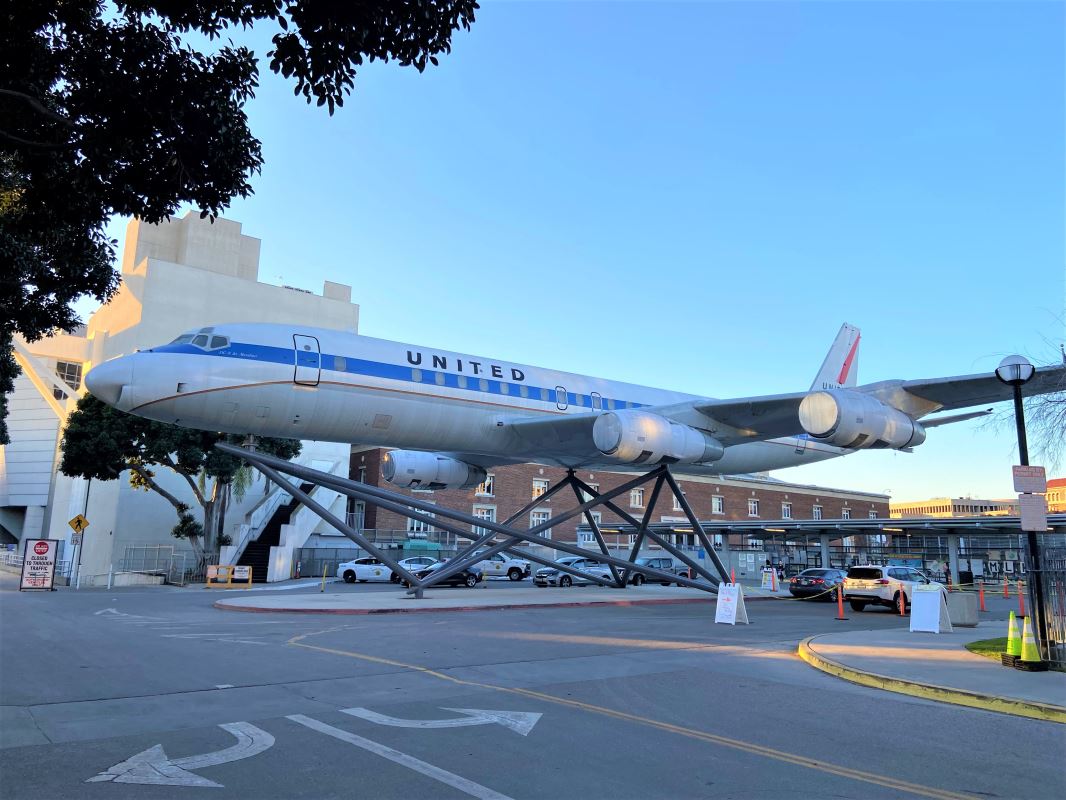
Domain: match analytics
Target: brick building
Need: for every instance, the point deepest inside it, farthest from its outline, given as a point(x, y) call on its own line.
point(509, 488)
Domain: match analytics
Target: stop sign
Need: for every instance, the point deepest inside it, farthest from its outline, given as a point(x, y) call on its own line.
point(40, 548)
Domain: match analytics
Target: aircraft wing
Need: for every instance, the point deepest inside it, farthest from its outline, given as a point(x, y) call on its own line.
point(752, 419)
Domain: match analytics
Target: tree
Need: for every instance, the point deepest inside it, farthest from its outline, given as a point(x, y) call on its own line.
point(101, 442)
point(1046, 423)
point(119, 109)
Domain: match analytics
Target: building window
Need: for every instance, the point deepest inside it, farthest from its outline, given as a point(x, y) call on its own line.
point(597, 518)
point(488, 486)
point(539, 517)
point(786, 511)
point(70, 374)
point(753, 507)
point(636, 498)
point(717, 504)
point(487, 513)
point(586, 496)
point(845, 514)
point(418, 526)
point(677, 503)
point(356, 514)
point(540, 487)
point(872, 514)
point(817, 512)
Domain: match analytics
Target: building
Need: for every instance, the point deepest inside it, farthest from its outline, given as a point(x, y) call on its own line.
point(946, 507)
point(1056, 496)
point(179, 275)
point(508, 489)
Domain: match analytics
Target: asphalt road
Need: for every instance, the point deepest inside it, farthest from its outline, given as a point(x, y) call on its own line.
point(135, 686)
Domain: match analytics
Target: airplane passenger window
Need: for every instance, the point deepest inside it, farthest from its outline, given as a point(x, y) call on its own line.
point(524, 391)
point(543, 394)
point(439, 378)
point(505, 388)
point(462, 381)
point(416, 375)
point(483, 385)
point(339, 364)
point(200, 341)
point(610, 404)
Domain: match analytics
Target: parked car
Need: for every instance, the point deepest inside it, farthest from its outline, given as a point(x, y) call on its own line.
point(816, 582)
point(638, 578)
point(363, 570)
point(549, 576)
point(872, 584)
point(412, 565)
point(470, 576)
point(503, 565)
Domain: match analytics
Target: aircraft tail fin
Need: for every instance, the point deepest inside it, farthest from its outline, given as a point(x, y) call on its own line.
point(841, 365)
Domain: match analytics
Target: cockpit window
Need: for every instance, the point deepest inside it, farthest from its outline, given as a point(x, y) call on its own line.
point(219, 341)
point(201, 340)
point(185, 338)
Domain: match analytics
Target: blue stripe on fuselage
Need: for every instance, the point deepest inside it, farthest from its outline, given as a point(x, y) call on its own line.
point(379, 369)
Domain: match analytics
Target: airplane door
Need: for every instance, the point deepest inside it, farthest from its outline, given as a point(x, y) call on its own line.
point(560, 398)
point(308, 360)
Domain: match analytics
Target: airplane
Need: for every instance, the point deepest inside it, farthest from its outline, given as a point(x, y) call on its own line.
point(451, 416)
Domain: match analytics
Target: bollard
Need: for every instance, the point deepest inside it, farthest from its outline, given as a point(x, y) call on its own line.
point(981, 596)
point(325, 569)
point(110, 574)
point(1006, 588)
point(840, 602)
point(732, 575)
point(902, 603)
point(773, 579)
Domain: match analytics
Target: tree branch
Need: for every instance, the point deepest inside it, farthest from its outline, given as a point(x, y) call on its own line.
point(188, 479)
point(39, 107)
point(147, 478)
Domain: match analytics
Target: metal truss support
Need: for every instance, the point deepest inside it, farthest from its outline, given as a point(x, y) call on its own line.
point(484, 533)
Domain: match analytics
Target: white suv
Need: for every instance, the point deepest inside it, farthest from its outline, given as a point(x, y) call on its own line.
point(875, 584)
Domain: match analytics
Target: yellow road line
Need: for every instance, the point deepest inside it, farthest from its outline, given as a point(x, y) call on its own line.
point(691, 733)
point(930, 691)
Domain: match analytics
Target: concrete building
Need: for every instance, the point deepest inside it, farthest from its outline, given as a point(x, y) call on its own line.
point(947, 507)
point(1056, 496)
point(182, 274)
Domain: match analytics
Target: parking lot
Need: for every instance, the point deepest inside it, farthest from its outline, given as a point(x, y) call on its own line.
point(155, 693)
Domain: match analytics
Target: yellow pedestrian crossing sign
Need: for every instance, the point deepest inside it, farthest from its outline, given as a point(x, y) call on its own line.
point(79, 523)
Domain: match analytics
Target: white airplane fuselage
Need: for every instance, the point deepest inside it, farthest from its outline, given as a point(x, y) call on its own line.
point(307, 383)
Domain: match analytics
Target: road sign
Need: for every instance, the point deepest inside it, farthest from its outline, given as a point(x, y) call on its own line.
point(730, 606)
point(79, 523)
point(929, 609)
point(39, 564)
point(1034, 512)
point(1029, 479)
point(75, 539)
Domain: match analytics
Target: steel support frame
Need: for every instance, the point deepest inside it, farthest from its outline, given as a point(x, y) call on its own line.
point(450, 520)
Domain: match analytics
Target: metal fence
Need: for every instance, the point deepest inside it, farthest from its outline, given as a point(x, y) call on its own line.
point(1052, 576)
point(178, 567)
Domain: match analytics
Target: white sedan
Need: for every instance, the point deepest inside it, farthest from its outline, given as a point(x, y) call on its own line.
point(413, 565)
point(364, 569)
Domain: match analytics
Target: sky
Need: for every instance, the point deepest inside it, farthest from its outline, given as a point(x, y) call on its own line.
point(695, 196)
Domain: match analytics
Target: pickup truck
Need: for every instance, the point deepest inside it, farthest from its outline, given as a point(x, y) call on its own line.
point(502, 565)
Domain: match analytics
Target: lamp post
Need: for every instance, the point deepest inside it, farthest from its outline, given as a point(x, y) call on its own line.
point(1016, 371)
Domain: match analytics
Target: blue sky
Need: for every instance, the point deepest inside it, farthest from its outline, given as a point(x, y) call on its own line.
point(696, 195)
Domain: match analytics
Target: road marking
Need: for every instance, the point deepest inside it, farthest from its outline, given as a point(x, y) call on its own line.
point(521, 722)
point(448, 778)
point(152, 766)
point(692, 733)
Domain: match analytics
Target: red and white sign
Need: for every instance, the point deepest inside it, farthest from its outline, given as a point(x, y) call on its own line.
point(39, 564)
point(1030, 479)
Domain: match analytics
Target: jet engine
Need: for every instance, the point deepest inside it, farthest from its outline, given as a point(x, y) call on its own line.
point(857, 421)
point(638, 437)
point(413, 469)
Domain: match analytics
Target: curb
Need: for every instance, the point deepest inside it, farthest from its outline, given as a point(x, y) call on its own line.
point(930, 691)
point(506, 607)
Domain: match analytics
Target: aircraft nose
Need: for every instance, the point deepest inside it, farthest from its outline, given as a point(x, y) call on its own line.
point(106, 381)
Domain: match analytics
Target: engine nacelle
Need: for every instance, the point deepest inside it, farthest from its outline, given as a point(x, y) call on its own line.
point(413, 469)
point(637, 437)
point(857, 421)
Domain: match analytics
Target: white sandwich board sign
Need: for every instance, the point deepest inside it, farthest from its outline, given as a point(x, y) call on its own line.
point(929, 610)
point(39, 564)
point(730, 606)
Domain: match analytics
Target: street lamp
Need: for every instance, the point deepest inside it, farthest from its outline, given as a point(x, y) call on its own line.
point(1015, 371)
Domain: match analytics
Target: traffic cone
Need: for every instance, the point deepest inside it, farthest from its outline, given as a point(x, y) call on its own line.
point(1014, 644)
point(1030, 660)
point(1006, 588)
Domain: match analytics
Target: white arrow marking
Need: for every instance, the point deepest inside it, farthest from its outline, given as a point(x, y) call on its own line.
point(521, 722)
point(153, 767)
point(395, 756)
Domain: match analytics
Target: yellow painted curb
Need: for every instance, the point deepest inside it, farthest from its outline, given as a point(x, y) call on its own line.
point(929, 691)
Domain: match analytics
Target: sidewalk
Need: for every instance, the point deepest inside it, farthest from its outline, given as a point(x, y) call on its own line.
point(939, 667)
